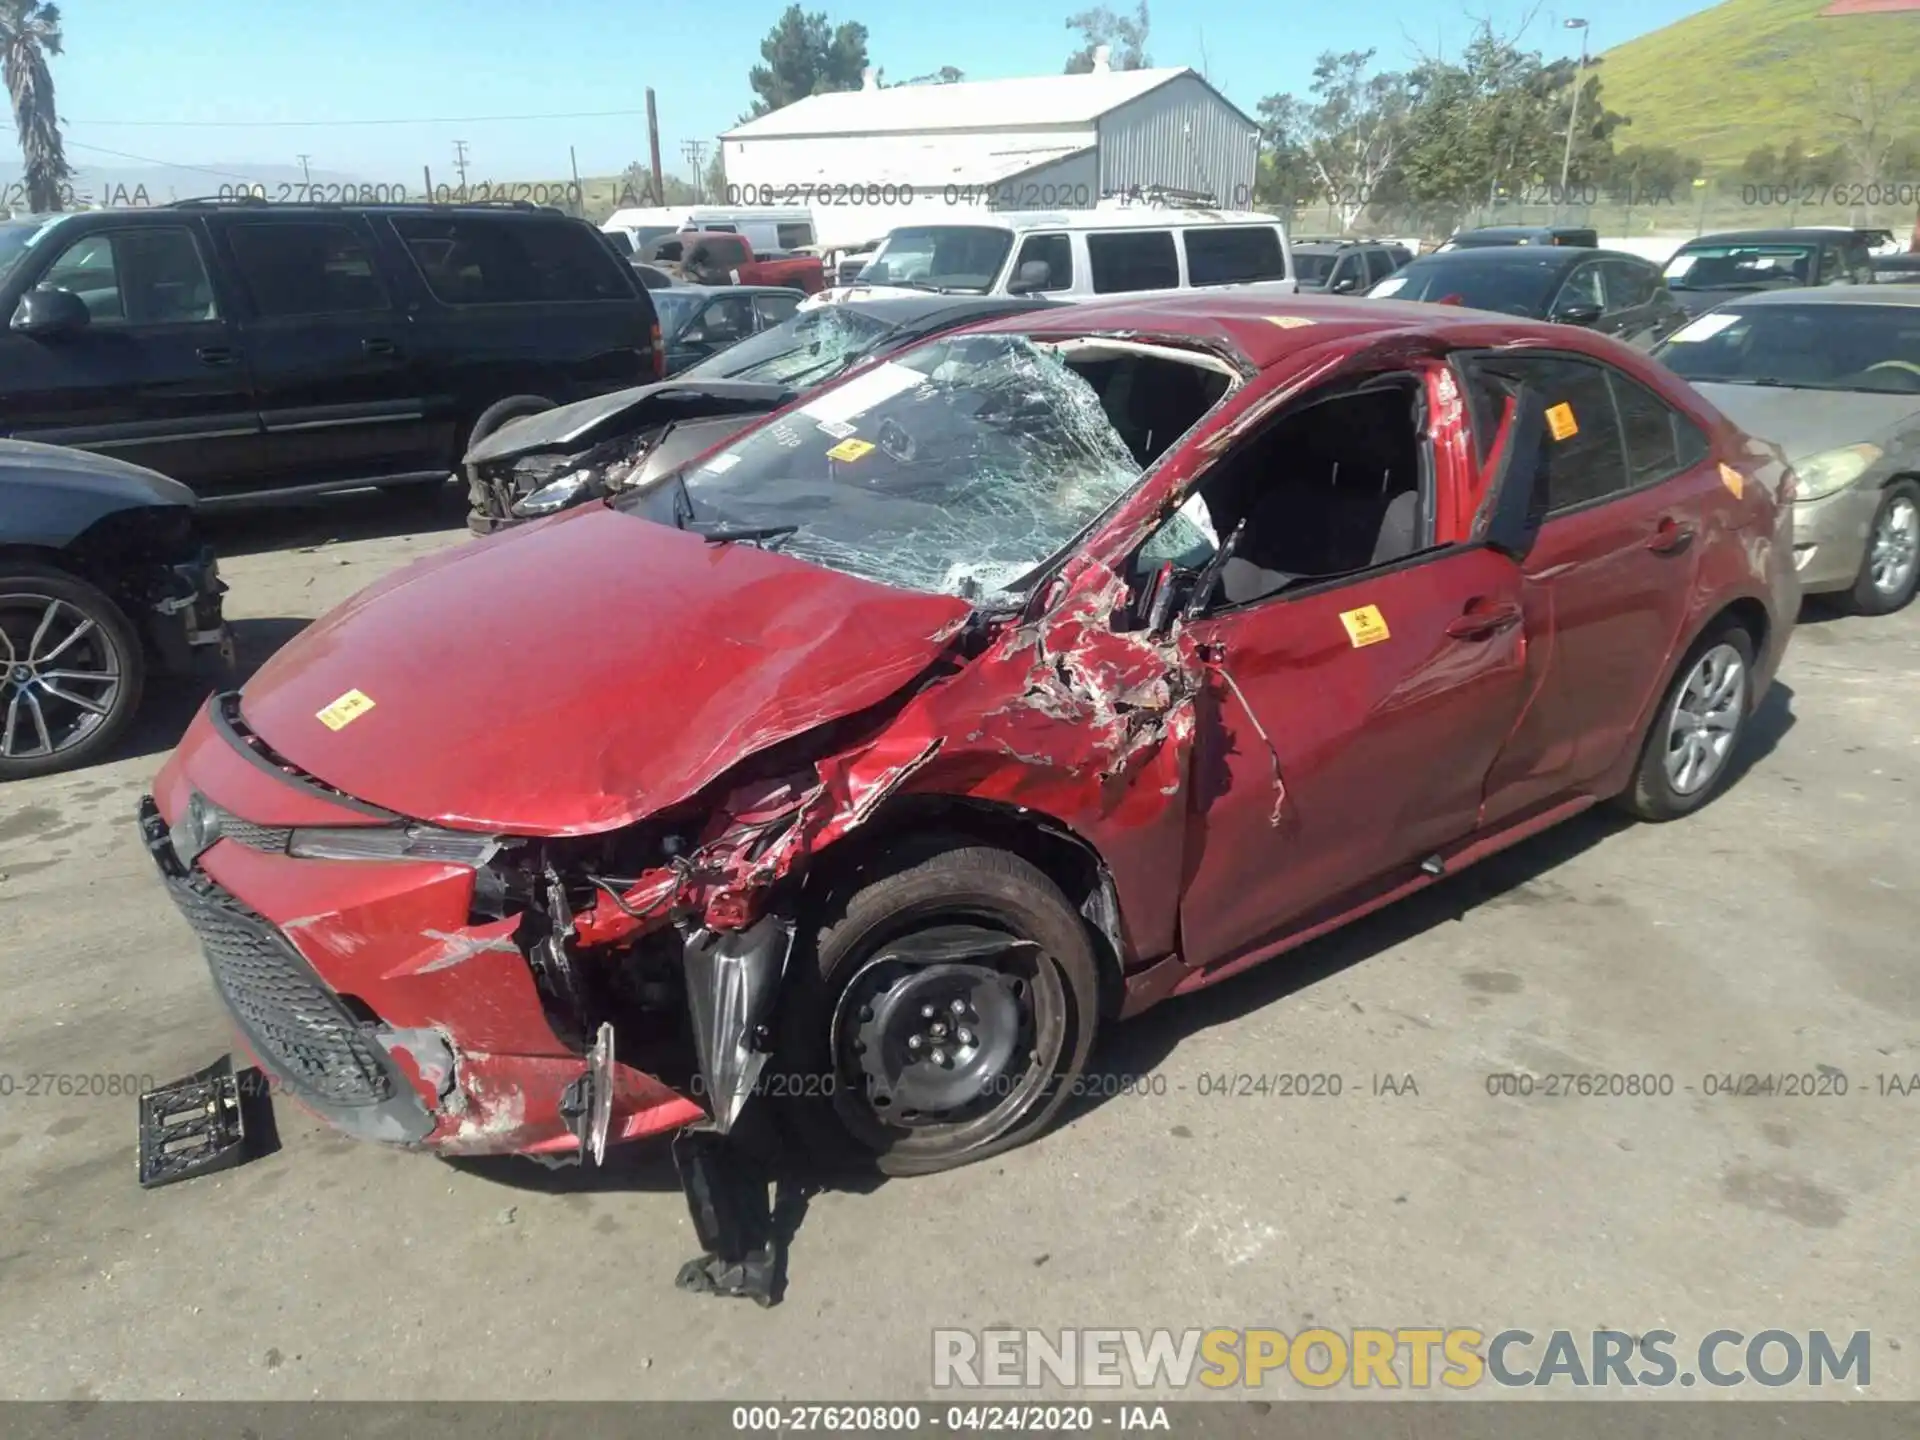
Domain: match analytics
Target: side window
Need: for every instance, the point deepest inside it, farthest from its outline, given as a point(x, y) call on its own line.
point(1833, 267)
point(1581, 288)
point(1345, 270)
point(726, 319)
point(1379, 265)
point(1053, 251)
point(1133, 260)
point(1627, 284)
point(1661, 442)
point(795, 236)
point(471, 261)
point(306, 269)
point(775, 309)
point(150, 276)
point(1232, 255)
point(1586, 460)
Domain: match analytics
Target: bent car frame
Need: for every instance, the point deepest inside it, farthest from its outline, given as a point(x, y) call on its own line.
point(864, 765)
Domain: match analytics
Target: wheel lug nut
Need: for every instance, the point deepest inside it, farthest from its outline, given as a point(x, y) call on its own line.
point(965, 1036)
point(914, 1042)
point(926, 1012)
point(939, 1056)
point(959, 1007)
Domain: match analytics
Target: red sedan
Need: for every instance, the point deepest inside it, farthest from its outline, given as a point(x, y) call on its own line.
point(866, 765)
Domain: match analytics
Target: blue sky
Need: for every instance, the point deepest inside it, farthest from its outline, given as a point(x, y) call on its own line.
point(456, 66)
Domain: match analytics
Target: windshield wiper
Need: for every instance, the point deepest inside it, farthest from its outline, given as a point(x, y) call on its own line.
point(718, 532)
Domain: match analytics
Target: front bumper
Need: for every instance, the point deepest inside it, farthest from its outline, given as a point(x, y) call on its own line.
point(1830, 537)
point(363, 990)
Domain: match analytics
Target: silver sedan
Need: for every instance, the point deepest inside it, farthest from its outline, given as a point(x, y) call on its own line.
point(1832, 376)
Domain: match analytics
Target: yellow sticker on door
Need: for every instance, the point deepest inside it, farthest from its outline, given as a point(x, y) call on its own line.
point(1561, 422)
point(344, 711)
point(1732, 479)
point(1365, 626)
point(850, 450)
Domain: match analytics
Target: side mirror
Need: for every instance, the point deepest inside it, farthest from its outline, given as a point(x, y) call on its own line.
point(1033, 275)
point(1518, 492)
point(1577, 312)
point(1345, 285)
point(46, 312)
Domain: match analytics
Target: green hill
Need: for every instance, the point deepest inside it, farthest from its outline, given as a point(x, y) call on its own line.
point(1748, 73)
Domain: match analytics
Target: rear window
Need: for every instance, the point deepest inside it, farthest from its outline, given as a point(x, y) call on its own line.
point(1461, 278)
point(469, 260)
point(794, 236)
point(1234, 255)
point(1752, 266)
point(1134, 260)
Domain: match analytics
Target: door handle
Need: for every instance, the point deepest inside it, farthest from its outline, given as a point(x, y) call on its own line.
point(1482, 621)
point(1670, 537)
point(217, 355)
point(379, 346)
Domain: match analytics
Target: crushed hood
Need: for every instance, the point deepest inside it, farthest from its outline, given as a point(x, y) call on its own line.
point(581, 673)
point(587, 422)
point(1806, 422)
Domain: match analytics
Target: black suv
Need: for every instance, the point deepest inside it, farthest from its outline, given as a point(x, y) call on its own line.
point(249, 349)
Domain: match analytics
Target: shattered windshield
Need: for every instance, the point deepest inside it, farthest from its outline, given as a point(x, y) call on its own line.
point(810, 348)
point(959, 469)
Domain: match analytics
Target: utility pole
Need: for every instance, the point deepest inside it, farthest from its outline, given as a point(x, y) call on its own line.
point(1573, 113)
point(460, 165)
point(696, 153)
point(653, 146)
point(305, 178)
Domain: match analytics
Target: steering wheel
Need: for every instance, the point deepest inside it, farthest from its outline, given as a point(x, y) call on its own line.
point(1906, 367)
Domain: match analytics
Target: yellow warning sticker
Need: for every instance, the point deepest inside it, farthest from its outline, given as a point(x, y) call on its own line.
point(1732, 479)
point(1365, 626)
point(344, 711)
point(1561, 422)
point(849, 450)
point(1289, 322)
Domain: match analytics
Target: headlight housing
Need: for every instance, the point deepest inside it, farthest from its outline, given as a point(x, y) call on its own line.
point(1820, 475)
point(555, 494)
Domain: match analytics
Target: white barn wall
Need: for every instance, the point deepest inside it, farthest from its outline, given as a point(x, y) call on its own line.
point(1181, 135)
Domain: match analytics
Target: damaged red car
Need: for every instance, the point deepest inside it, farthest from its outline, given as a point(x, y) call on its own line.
point(867, 764)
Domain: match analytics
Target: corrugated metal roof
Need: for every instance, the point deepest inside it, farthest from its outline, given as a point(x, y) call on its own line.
point(1019, 103)
point(967, 160)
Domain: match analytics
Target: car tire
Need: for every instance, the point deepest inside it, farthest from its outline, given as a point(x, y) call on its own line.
point(1036, 1009)
point(109, 645)
point(1891, 554)
point(496, 415)
point(1703, 714)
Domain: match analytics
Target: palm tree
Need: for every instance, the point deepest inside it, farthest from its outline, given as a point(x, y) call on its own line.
point(29, 33)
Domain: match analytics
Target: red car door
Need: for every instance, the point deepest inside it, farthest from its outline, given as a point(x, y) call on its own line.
point(1347, 730)
point(1629, 491)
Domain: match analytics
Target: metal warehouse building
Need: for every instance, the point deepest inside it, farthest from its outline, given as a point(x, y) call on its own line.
point(867, 160)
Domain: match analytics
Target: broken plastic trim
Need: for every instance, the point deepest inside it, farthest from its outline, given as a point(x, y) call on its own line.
point(732, 979)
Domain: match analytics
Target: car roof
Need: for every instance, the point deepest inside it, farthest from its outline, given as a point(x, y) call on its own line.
point(1140, 217)
point(704, 290)
point(1267, 329)
point(1521, 256)
point(1526, 230)
point(1830, 295)
point(1807, 234)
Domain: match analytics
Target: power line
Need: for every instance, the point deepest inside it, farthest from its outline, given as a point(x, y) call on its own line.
point(150, 160)
point(330, 124)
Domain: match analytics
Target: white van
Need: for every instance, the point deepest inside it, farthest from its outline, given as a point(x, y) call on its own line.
point(1084, 254)
point(768, 228)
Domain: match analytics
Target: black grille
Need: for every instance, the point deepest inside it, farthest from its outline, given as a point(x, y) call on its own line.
point(299, 1025)
point(271, 838)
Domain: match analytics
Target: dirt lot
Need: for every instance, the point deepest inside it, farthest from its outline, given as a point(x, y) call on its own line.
point(1774, 932)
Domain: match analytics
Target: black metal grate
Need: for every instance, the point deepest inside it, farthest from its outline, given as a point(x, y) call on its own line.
point(300, 1026)
point(271, 838)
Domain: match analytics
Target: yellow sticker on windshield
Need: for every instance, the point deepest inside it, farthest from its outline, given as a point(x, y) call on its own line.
point(1732, 479)
point(344, 711)
point(1561, 422)
point(849, 450)
point(1365, 626)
